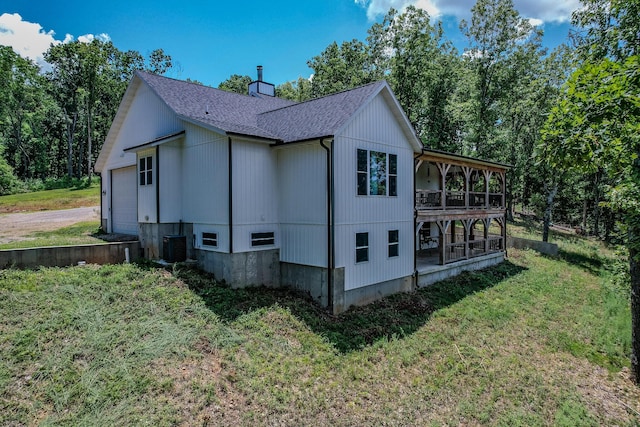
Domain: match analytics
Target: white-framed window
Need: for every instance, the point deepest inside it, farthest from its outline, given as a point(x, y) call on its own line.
point(146, 170)
point(393, 242)
point(377, 173)
point(263, 239)
point(210, 239)
point(362, 247)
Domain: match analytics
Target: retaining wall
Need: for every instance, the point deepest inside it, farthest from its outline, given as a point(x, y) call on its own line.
point(62, 256)
point(539, 246)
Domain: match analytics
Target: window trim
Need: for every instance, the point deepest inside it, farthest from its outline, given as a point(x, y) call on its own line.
point(145, 171)
point(362, 247)
point(390, 179)
point(391, 244)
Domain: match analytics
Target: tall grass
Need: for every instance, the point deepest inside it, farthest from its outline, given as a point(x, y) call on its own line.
point(534, 341)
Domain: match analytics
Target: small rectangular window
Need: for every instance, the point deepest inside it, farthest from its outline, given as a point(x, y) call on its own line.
point(362, 247)
point(210, 239)
point(393, 243)
point(393, 174)
point(262, 239)
point(146, 170)
point(362, 172)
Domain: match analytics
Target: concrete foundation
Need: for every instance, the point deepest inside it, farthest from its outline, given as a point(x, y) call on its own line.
point(151, 238)
point(63, 256)
point(436, 273)
point(306, 278)
point(365, 295)
point(244, 268)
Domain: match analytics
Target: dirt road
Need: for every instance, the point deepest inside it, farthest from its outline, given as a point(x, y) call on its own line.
point(20, 225)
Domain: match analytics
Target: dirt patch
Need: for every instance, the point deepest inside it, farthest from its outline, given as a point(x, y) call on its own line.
point(20, 226)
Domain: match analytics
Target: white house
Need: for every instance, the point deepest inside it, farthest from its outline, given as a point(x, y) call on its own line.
point(317, 196)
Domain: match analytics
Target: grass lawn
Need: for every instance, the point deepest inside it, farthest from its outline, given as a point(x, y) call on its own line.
point(81, 233)
point(534, 341)
point(65, 198)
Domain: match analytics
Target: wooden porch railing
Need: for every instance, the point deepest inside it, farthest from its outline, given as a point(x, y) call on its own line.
point(432, 200)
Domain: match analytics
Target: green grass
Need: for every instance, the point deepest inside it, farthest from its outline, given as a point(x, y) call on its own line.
point(65, 198)
point(534, 341)
point(81, 233)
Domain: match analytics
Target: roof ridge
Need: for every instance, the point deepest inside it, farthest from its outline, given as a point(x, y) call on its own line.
point(297, 104)
point(201, 85)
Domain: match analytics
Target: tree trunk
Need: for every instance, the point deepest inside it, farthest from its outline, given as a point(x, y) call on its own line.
point(551, 194)
point(71, 127)
point(634, 269)
point(596, 203)
point(89, 146)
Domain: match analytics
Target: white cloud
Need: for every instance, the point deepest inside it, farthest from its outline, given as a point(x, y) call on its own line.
point(27, 39)
point(538, 11)
point(30, 40)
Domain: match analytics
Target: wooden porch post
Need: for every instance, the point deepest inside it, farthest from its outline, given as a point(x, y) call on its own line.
point(467, 175)
point(487, 178)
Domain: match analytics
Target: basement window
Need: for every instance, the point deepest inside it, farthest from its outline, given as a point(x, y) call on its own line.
point(393, 244)
point(210, 239)
point(362, 247)
point(262, 239)
point(146, 170)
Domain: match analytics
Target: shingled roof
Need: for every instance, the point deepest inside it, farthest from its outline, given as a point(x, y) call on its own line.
point(266, 117)
point(227, 111)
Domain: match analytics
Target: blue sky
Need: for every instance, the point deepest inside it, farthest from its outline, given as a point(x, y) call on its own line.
point(211, 40)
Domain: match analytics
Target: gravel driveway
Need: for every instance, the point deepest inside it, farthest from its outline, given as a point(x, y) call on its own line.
point(18, 226)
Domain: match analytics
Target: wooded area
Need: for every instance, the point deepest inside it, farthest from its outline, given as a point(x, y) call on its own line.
point(567, 120)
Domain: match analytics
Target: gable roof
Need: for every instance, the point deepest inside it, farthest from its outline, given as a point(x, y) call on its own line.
point(265, 117)
point(226, 111)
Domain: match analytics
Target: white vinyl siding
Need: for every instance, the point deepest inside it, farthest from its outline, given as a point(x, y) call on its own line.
point(373, 129)
point(124, 199)
point(205, 178)
point(255, 193)
point(302, 208)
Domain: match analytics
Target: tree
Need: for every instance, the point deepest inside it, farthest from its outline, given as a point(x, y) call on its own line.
point(236, 83)
point(342, 67)
point(596, 126)
point(297, 90)
point(497, 34)
point(421, 67)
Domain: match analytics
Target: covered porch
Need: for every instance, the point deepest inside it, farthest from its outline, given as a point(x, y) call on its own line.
point(459, 208)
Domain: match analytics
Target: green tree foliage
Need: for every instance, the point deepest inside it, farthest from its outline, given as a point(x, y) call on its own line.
point(54, 123)
point(596, 124)
point(421, 67)
point(237, 84)
point(296, 90)
point(342, 67)
point(501, 44)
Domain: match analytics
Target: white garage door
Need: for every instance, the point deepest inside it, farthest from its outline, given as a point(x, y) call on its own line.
point(124, 201)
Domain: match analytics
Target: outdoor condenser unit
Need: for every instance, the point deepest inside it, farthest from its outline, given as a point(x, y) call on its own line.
point(174, 248)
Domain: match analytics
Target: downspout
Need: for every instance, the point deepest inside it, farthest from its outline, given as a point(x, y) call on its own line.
point(157, 184)
point(101, 190)
point(230, 167)
point(330, 225)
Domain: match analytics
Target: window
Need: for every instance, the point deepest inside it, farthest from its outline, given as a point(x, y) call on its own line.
point(146, 170)
point(393, 243)
point(362, 172)
point(262, 239)
point(362, 247)
point(377, 173)
point(210, 239)
point(393, 174)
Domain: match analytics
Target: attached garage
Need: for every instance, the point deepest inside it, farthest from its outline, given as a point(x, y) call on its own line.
point(124, 201)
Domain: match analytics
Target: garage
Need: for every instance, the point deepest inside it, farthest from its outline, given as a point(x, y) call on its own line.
point(124, 201)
